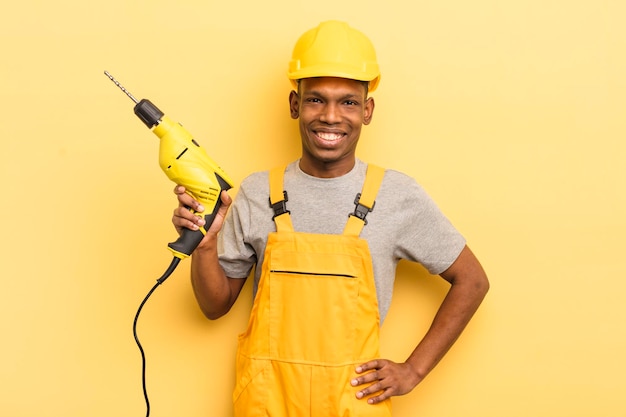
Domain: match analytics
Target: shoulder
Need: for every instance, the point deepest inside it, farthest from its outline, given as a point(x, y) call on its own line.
point(254, 180)
point(402, 194)
point(400, 178)
point(261, 178)
point(400, 186)
point(256, 185)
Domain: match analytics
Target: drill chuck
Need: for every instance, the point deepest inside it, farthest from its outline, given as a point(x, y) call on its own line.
point(148, 113)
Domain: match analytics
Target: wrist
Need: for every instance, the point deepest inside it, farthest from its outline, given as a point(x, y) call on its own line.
point(419, 372)
point(207, 244)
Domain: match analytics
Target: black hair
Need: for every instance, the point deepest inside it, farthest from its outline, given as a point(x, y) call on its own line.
point(366, 85)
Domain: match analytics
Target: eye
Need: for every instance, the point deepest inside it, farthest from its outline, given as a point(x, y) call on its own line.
point(351, 103)
point(313, 100)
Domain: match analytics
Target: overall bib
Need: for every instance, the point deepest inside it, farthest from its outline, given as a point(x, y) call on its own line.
point(314, 319)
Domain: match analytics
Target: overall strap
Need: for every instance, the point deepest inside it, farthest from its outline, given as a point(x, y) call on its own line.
point(278, 198)
point(364, 200)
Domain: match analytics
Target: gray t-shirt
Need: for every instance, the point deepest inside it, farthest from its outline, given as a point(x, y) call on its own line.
point(405, 223)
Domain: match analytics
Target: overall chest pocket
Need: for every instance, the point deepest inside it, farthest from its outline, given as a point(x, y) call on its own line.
point(314, 300)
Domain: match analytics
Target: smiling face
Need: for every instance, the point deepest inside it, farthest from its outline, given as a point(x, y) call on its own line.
point(331, 112)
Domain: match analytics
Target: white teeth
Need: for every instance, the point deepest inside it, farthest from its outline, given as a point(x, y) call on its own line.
point(329, 136)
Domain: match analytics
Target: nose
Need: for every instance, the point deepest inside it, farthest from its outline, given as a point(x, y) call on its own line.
point(330, 114)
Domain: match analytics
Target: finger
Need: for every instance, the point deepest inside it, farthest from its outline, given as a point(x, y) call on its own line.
point(376, 392)
point(373, 364)
point(365, 379)
point(380, 398)
point(226, 198)
point(186, 213)
point(372, 389)
point(182, 217)
point(216, 226)
point(368, 372)
point(186, 200)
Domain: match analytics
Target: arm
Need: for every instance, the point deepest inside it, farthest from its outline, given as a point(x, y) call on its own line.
point(469, 285)
point(214, 291)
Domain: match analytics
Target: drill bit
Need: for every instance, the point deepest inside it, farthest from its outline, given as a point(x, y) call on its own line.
point(117, 83)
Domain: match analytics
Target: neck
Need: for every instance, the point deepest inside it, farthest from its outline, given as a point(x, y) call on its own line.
point(327, 169)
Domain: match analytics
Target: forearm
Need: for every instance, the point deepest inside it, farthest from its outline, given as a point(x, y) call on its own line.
point(213, 290)
point(469, 285)
point(458, 307)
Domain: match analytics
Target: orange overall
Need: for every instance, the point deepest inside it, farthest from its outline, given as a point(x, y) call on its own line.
point(314, 319)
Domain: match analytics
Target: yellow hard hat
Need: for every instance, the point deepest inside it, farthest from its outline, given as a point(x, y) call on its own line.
point(334, 49)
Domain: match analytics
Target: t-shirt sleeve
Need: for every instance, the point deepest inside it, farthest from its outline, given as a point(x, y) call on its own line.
point(236, 257)
point(426, 235)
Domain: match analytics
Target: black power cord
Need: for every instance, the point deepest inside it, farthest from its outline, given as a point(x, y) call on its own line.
point(160, 281)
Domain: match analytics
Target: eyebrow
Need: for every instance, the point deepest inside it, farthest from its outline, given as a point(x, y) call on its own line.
point(347, 96)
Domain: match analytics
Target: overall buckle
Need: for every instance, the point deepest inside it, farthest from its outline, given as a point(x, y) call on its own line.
point(361, 210)
point(280, 207)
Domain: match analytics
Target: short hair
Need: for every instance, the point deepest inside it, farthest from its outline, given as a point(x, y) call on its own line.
point(366, 85)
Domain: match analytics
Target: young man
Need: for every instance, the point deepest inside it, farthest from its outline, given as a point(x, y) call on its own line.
point(324, 273)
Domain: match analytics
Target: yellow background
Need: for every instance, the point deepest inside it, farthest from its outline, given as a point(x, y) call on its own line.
point(511, 114)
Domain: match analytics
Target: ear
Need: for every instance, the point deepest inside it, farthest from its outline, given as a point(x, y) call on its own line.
point(294, 104)
point(368, 110)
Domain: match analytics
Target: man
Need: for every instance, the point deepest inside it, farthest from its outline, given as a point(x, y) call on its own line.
point(311, 347)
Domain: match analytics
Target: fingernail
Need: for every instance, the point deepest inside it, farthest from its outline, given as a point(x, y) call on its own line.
point(359, 369)
point(200, 207)
point(354, 382)
point(359, 394)
point(201, 221)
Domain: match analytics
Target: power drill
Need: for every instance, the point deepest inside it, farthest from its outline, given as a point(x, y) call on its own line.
point(186, 163)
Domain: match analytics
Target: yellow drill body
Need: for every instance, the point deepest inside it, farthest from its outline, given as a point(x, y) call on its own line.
point(186, 163)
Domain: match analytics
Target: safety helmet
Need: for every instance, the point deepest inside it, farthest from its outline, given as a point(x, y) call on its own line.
point(334, 49)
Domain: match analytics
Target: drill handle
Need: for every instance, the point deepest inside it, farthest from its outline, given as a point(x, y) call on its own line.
point(190, 239)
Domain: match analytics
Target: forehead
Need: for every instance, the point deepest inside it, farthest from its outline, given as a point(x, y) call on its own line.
point(332, 86)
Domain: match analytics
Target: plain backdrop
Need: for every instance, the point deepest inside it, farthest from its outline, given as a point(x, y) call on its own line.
point(510, 114)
